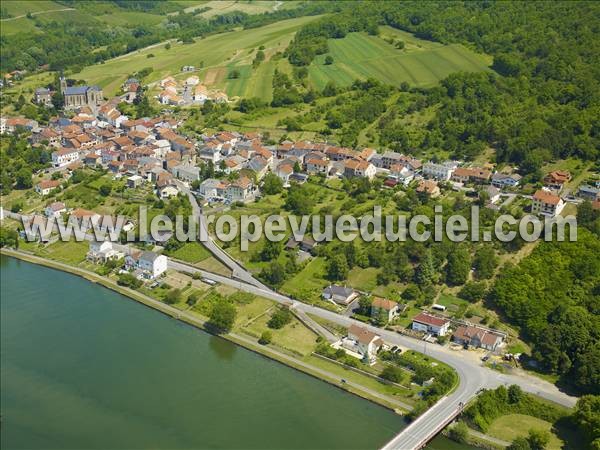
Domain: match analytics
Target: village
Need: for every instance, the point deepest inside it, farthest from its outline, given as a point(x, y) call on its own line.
point(150, 153)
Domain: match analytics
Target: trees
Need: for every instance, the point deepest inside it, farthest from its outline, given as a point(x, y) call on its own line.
point(281, 318)
point(265, 338)
point(459, 432)
point(328, 60)
point(587, 419)
point(458, 267)
point(485, 262)
point(173, 296)
point(105, 189)
point(472, 291)
point(23, 178)
point(271, 250)
point(337, 268)
point(272, 184)
point(222, 317)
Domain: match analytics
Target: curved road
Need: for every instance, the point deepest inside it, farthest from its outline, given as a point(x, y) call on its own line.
point(472, 375)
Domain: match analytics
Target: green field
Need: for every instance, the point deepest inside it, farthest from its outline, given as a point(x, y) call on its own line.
point(511, 426)
point(422, 63)
point(218, 53)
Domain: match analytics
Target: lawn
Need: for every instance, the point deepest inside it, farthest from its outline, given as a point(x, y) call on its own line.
point(309, 282)
point(70, 252)
point(510, 426)
point(192, 252)
point(423, 63)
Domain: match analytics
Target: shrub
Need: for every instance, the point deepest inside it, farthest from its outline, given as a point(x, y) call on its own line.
point(265, 337)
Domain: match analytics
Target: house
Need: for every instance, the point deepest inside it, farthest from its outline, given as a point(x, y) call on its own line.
point(284, 171)
point(64, 156)
point(319, 166)
point(239, 190)
point(54, 210)
point(428, 187)
point(152, 265)
point(556, 179)
point(359, 168)
point(339, 294)
point(46, 186)
point(103, 251)
point(388, 159)
point(134, 181)
point(363, 342)
point(259, 165)
point(501, 180)
point(478, 337)
point(470, 174)
point(168, 191)
point(186, 172)
point(384, 309)
point(428, 323)
point(587, 192)
point(402, 173)
point(493, 194)
point(307, 244)
point(441, 172)
point(43, 96)
point(80, 96)
point(546, 203)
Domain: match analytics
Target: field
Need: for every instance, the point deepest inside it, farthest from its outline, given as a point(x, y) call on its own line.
point(510, 426)
point(218, 55)
point(422, 63)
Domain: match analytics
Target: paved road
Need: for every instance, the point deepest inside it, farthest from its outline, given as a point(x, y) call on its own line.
point(236, 268)
point(472, 374)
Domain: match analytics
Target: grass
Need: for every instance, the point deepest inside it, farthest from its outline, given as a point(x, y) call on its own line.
point(71, 252)
point(217, 52)
point(511, 426)
point(423, 64)
point(309, 282)
point(192, 252)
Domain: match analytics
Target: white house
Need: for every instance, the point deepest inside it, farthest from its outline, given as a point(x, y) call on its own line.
point(44, 187)
point(64, 156)
point(55, 209)
point(384, 309)
point(151, 264)
point(402, 173)
point(441, 171)
point(429, 323)
point(362, 342)
point(102, 251)
point(546, 203)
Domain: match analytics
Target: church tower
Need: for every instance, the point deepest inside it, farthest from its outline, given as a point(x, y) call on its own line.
point(63, 85)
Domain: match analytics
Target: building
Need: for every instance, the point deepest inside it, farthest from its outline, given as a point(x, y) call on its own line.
point(359, 168)
point(55, 209)
point(441, 172)
point(478, 337)
point(428, 187)
point(384, 309)
point(362, 342)
point(64, 156)
point(239, 190)
point(80, 96)
point(590, 193)
point(43, 96)
point(557, 179)
point(340, 294)
point(134, 181)
point(103, 251)
point(546, 203)
point(428, 323)
point(501, 180)
point(186, 172)
point(470, 175)
point(46, 186)
point(150, 264)
point(402, 173)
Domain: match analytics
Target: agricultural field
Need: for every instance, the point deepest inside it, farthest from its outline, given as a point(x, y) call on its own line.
point(248, 7)
point(218, 54)
point(421, 63)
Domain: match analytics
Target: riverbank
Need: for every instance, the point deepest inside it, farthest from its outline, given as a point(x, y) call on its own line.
point(197, 322)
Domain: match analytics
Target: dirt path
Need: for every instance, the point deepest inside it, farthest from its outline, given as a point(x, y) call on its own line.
point(37, 13)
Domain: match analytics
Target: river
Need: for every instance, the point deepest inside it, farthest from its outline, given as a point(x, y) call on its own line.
point(83, 367)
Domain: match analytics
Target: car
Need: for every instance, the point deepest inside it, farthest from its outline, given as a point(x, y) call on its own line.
point(485, 358)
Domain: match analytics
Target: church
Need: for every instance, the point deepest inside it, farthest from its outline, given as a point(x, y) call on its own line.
point(79, 96)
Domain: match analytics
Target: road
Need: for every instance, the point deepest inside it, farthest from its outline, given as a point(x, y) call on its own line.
point(236, 268)
point(472, 374)
point(37, 13)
